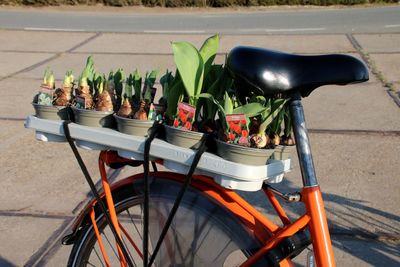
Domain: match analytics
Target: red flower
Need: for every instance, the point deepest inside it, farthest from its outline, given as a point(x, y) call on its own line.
point(183, 119)
point(237, 129)
point(231, 136)
point(231, 125)
point(245, 133)
point(243, 122)
point(176, 123)
point(188, 125)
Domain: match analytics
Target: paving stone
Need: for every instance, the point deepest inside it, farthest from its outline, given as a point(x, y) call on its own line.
point(375, 43)
point(104, 63)
point(365, 106)
point(40, 41)
point(11, 62)
point(154, 44)
point(21, 237)
point(388, 65)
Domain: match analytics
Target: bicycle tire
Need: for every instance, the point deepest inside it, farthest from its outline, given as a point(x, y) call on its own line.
point(203, 233)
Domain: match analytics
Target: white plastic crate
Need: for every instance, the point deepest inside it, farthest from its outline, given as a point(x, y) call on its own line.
point(228, 174)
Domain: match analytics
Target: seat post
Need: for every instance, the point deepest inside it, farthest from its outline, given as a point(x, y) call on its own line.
point(302, 141)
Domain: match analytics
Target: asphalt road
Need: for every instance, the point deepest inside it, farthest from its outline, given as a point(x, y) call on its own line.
point(294, 21)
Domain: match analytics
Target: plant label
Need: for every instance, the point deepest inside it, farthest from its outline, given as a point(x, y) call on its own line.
point(46, 90)
point(80, 102)
point(185, 117)
point(238, 132)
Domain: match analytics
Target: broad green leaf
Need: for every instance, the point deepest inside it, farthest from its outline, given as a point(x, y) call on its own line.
point(208, 51)
point(175, 93)
point(276, 109)
point(250, 109)
point(212, 99)
point(258, 99)
point(287, 120)
point(190, 66)
point(228, 104)
point(213, 75)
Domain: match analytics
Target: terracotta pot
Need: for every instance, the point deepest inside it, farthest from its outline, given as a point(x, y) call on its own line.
point(94, 118)
point(133, 126)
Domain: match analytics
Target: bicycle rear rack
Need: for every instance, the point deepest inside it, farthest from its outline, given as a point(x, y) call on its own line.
point(226, 173)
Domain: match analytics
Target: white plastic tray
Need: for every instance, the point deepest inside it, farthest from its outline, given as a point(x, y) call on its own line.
point(226, 173)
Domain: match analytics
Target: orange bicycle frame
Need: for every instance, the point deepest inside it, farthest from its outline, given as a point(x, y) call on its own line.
point(266, 231)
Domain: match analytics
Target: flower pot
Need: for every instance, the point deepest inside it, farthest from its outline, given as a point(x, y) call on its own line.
point(94, 118)
point(242, 154)
point(283, 152)
point(52, 112)
point(183, 138)
point(133, 126)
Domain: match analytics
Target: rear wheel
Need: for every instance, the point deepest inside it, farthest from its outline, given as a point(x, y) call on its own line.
point(203, 232)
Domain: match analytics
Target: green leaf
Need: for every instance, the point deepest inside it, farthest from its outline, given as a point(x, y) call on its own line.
point(228, 104)
point(276, 108)
point(174, 95)
point(129, 86)
point(166, 82)
point(88, 71)
point(208, 51)
point(150, 79)
point(250, 109)
point(137, 85)
point(258, 99)
point(119, 78)
point(190, 66)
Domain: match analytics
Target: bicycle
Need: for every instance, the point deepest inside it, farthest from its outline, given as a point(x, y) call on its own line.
point(170, 219)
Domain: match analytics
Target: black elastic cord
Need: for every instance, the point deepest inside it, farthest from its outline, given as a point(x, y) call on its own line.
point(146, 159)
point(188, 179)
point(94, 191)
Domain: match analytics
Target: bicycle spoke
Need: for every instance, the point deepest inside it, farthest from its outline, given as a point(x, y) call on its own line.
point(126, 245)
point(134, 224)
point(111, 246)
point(98, 257)
point(201, 233)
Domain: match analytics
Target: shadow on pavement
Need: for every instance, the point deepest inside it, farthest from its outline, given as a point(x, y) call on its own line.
point(356, 228)
point(6, 263)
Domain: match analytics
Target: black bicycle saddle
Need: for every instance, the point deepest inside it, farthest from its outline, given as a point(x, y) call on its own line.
point(267, 72)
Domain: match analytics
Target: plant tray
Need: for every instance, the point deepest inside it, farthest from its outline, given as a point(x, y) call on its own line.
point(228, 174)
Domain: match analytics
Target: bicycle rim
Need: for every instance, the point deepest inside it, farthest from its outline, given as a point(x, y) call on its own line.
point(203, 232)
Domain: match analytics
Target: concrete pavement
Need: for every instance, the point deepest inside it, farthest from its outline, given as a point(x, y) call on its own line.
point(355, 138)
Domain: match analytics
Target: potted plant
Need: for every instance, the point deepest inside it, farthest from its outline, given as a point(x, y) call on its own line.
point(95, 99)
point(138, 112)
point(194, 66)
point(283, 143)
point(243, 134)
point(53, 104)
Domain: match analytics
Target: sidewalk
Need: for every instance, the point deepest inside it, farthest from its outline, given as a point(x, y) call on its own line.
point(355, 136)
